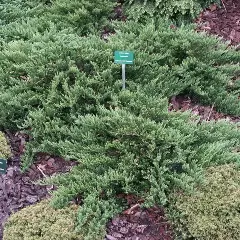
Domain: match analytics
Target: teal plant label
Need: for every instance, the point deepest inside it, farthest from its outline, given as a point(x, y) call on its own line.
point(123, 57)
point(3, 166)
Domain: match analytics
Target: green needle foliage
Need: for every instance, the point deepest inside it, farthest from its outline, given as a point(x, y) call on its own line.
point(176, 10)
point(5, 150)
point(213, 211)
point(42, 222)
point(122, 152)
point(77, 74)
point(23, 19)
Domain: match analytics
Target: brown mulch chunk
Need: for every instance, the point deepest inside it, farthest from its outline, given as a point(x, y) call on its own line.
point(224, 21)
point(206, 113)
point(17, 190)
point(141, 224)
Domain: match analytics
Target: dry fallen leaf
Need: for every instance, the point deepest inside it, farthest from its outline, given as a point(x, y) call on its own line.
point(213, 7)
point(42, 166)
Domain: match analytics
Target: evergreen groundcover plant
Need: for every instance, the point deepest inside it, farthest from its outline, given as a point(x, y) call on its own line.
point(5, 151)
point(63, 88)
point(51, 67)
point(24, 19)
point(42, 222)
point(176, 10)
point(66, 92)
point(213, 211)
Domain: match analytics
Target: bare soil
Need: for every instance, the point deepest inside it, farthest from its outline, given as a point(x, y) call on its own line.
point(222, 21)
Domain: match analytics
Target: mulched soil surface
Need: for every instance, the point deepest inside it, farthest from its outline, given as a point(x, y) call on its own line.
point(224, 21)
point(137, 223)
point(206, 113)
point(140, 224)
point(17, 190)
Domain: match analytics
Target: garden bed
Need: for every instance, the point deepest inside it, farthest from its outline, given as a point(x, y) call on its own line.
point(223, 22)
point(18, 190)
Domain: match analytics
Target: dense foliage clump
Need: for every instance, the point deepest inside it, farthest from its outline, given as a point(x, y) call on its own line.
point(150, 156)
point(42, 222)
point(5, 151)
point(176, 10)
point(78, 74)
point(213, 211)
point(26, 19)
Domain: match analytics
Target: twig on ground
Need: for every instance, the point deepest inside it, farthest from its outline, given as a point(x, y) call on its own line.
point(132, 208)
point(210, 113)
point(41, 171)
point(224, 5)
point(3, 186)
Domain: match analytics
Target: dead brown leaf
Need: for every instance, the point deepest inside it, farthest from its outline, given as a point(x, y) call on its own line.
point(213, 7)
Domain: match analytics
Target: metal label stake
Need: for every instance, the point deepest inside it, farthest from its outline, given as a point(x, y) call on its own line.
point(123, 58)
point(123, 76)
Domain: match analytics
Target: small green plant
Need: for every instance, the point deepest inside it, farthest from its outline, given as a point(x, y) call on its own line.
point(176, 10)
point(5, 150)
point(213, 211)
point(42, 222)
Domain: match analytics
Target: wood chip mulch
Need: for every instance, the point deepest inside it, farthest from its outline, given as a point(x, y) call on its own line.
point(206, 113)
point(17, 190)
point(222, 21)
point(140, 224)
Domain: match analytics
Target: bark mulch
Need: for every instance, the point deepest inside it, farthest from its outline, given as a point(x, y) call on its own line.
point(206, 113)
point(17, 190)
point(222, 21)
point(145, 224)
point(138, 223)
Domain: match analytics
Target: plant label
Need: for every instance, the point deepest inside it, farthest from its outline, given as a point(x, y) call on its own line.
point(123, 57)
point(3, 166)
